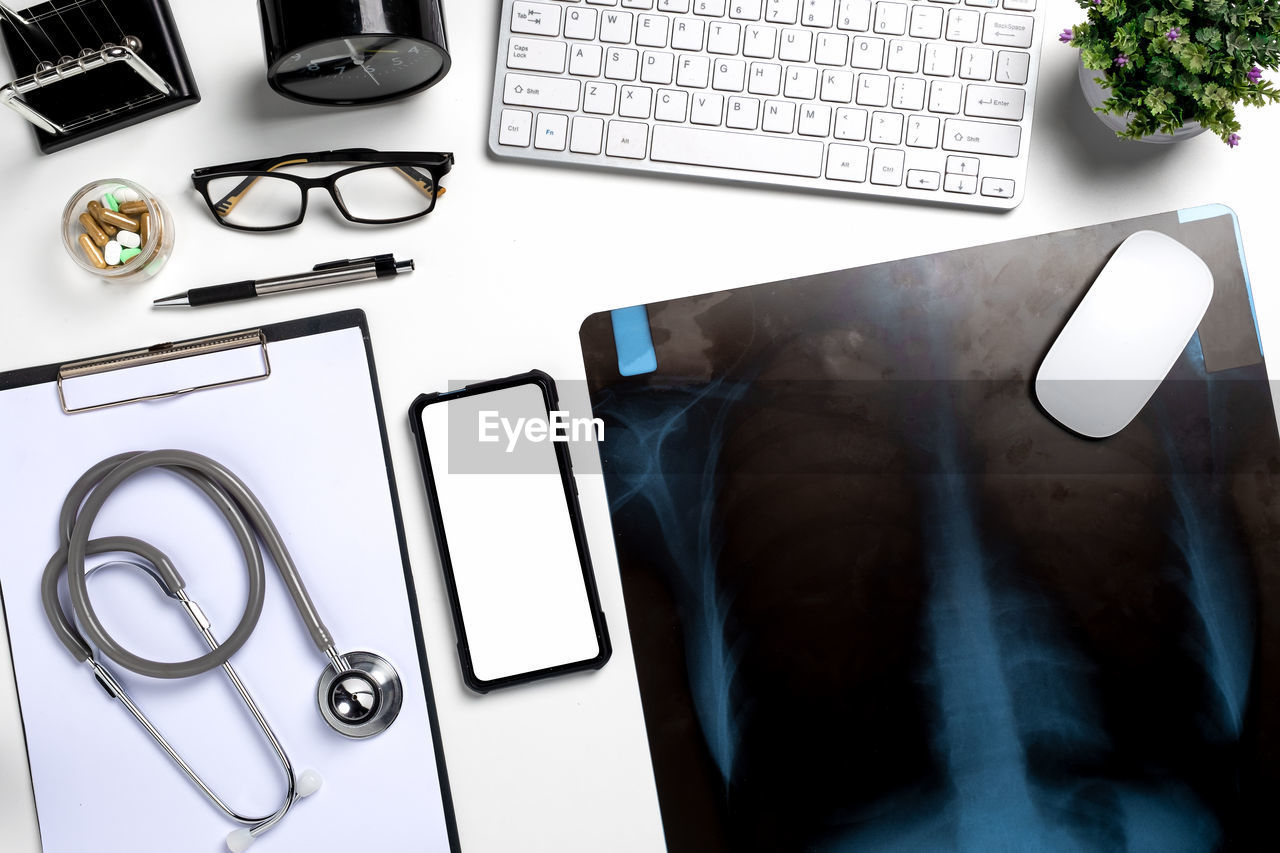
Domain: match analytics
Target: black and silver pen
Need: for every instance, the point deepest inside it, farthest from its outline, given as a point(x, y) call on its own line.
point(322, 275)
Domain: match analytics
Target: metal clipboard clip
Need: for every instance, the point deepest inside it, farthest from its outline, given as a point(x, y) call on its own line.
point(162, 371)
point(88, 60)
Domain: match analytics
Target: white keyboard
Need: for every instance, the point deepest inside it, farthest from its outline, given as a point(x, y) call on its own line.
point(919, 99)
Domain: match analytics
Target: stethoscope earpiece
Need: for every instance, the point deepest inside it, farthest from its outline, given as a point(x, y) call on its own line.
point(361, 700)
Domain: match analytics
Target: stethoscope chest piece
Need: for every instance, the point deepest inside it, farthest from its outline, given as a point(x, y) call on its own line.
point(364, 699)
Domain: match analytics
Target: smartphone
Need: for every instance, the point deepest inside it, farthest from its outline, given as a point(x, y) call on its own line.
point(509, 529)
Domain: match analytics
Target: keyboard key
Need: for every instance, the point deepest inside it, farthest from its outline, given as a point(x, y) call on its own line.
point(635, 101)
point(746, 10)
point(802, 82)
point(1020, 5)
point(600, 98)
point(781, 11)
point(960, 184)
point(815, 120)
point(657, 67)
point(724, 38)
point(714, 8)
point(978, 137)
point(631, 4)
point(995, 102)
point(886, 166)
point(673, 105)
point(587, 136)
point(515, 129)
point(539, 19)
point(1007, 30)
point(847, 162)
point(1011, 67)
point(651, 30)
point(926, 22)
point(944, 96)
point(580, 23)
point(886, 128)
point(922, 132)
point(940, 60)
point(904, 56)
point(693, 72)
point(764, 78)
point(555, 93)
point(797, 46)
point(673, 5)
point(818, 13)
point(873, 90)
point(779, 117)
point(725, 150)
point(832, 49)
point(891, 18)
point(760, 42)
point(868, 52)
point(962, 25)
point(536, 55)
point(997, 187)
point(854, 15)
point(586, 59)
point(627, 139)
point(851, 124)
point(975, 63)
point(837, 86)
point(620, 63)
point(688, 34)
point(551, 132)
point(730, 75)
point(962, 165)
point(908, 93)
point(920, 179)
point(743, 114)
point(615, 27)
point(708, 109)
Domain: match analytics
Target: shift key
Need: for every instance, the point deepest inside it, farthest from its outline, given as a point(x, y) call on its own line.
point(553, 93)
point(980, 137)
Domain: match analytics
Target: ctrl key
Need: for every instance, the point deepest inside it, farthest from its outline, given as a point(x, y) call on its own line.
point(516, 126)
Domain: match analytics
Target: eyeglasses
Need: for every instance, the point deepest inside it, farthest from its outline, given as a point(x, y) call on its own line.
point(387, 187)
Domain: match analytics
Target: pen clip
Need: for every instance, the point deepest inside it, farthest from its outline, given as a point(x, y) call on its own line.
point(352, 262)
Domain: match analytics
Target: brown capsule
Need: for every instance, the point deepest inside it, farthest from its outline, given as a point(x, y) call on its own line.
point(92, 252)
point(144, 227)
point(133, 208)
point(94, 230)
point(119, 220)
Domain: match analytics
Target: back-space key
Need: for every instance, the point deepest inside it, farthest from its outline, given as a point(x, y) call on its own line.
point(736, 151)
point(553, 93)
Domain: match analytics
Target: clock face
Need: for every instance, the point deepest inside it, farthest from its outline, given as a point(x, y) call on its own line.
point(359, 69)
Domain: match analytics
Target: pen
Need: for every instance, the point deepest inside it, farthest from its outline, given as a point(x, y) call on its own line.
point(321, 275)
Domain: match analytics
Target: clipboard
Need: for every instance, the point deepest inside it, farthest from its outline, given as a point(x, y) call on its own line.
point(294, 409)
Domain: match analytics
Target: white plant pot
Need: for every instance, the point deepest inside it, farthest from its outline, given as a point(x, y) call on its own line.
point(1095, 94)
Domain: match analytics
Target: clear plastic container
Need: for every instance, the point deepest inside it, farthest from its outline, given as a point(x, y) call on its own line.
point(155, 220)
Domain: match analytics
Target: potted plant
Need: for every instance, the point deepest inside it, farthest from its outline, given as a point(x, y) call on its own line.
point(1159, 70)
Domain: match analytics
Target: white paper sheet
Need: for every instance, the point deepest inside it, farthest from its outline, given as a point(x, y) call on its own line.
point(306, 440)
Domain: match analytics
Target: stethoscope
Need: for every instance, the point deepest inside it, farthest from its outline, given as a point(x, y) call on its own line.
point(359, 693)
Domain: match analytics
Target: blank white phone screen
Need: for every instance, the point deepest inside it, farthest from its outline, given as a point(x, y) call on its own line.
point(509, 534)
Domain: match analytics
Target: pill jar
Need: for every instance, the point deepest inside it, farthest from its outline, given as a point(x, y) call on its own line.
point(117, 229)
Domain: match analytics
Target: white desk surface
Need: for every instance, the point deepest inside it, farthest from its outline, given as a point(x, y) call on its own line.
point(510, 263)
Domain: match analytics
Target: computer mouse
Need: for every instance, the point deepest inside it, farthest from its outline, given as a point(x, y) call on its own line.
point(1124, 337)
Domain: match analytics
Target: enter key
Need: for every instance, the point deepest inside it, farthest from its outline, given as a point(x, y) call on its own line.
point(994, 102)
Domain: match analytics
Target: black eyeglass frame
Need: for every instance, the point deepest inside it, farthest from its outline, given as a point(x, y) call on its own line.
point(437, 164)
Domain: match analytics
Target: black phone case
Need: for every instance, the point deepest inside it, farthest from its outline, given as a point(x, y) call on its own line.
point(550, 397)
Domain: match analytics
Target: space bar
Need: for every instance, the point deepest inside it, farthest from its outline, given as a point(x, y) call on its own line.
point(736, 151)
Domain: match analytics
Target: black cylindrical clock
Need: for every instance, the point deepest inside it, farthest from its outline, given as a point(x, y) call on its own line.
point(345, 52)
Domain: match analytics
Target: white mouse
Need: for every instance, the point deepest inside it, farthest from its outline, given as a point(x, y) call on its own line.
point(1125, 336)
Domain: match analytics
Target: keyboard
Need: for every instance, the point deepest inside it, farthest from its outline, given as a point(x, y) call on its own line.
point(927, 100)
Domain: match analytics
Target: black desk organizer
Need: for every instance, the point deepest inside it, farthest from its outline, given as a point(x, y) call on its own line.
point(52, 42)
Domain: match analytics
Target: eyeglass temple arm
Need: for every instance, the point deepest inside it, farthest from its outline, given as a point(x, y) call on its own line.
point(227, 203)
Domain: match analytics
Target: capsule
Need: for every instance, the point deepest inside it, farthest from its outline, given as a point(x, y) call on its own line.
point(144, 228)
point(133, 208)
point(92, 252)
point(94, 230)
point(119, 220)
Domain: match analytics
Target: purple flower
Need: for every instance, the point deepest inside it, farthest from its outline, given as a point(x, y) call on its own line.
point(1121, 61)
point(1173, 34)
point(1065, 36)
point(1233, 140)
point(1097, 2)
point(1255, 74)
